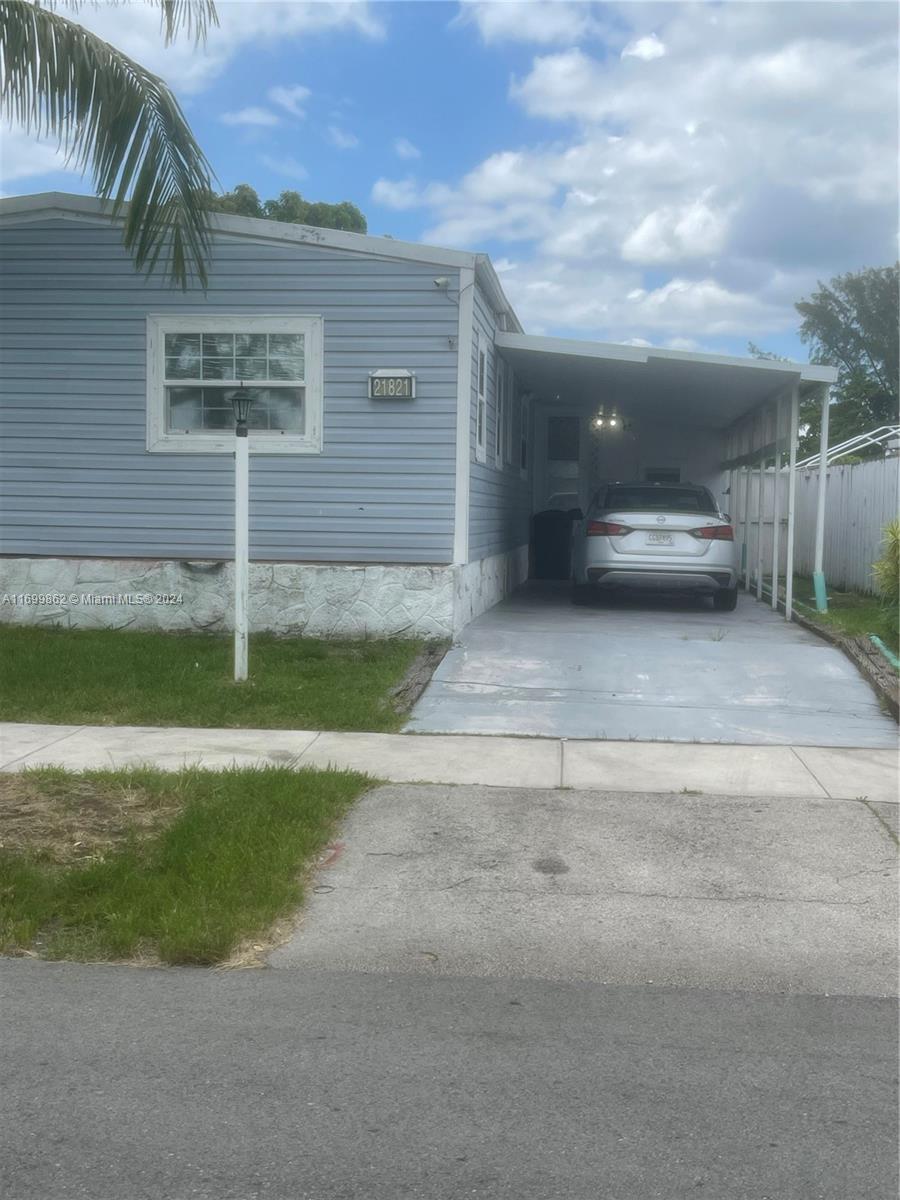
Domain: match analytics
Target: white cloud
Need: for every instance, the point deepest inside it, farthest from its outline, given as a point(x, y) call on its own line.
point(566, 297)
point(404, 148)
point(24, 156)
point(398, 194)
point(135, 29)
point(341, 138)
point(542, 22)
point(288, 166)
point(673, 234)
point(291, 99)
point(253, 116)
point(508, 175)
point(646, 48)
point(696, 200)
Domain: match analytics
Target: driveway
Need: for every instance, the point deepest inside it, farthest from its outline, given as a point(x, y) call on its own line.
point(704, 891)
point(649, 670)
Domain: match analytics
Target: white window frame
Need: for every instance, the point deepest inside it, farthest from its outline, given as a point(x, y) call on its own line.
point(500, 414)
point(510, 416)
point(481, 375)
point(159, 440)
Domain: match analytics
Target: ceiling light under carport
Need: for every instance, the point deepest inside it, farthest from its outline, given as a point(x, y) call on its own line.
point(612, 422)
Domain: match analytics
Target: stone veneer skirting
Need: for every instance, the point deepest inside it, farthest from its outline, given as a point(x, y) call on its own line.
point(317, 599)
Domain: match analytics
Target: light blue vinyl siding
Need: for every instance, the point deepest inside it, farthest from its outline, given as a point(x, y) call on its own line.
point(75, 474)
point(499, 499)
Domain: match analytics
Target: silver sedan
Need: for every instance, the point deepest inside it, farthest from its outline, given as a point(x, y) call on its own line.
point(663, 536)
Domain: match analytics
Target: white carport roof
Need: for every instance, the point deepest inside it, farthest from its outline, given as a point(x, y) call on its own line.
point(744, 396)
point(711, 390)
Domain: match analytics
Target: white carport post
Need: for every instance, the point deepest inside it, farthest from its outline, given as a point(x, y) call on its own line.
point(759, 505)
point(791, 497)
point(776, 497)
point(818, 568)
point(748, 477)
point(729, 455)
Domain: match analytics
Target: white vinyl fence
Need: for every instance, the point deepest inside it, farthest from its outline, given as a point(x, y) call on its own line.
point(860, 500)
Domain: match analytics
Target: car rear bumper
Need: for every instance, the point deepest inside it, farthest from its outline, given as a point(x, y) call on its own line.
point(711, 579)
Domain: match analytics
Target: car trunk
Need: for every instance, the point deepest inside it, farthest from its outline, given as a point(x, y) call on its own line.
point(663, 534)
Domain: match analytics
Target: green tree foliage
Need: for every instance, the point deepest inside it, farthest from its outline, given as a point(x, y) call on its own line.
point(290, 207)
point(852, 323)
point(118, 121)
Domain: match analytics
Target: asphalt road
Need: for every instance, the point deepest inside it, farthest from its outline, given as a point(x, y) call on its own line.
point(506, 994)
point(124, 1084)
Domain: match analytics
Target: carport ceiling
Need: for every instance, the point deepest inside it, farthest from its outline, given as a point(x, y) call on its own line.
point(693, 389)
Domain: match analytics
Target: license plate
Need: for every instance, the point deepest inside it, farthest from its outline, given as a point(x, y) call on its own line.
point(659, 539)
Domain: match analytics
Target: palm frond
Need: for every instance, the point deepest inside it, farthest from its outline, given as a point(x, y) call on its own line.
point(117, 120)
point(194, 17)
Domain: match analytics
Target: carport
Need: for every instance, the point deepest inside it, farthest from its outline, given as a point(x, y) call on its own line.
point(654, 669)
point(604, 412)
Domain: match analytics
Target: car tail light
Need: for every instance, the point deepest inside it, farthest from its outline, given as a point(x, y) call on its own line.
point(714, 533)
point(606, 529)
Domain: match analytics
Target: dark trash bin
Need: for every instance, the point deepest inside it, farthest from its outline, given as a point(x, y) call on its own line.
point(551, 543)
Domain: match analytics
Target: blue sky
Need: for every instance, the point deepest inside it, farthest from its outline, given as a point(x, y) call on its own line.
point(670, 173)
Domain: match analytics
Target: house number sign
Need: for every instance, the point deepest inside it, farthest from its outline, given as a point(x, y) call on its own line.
point(391, 384)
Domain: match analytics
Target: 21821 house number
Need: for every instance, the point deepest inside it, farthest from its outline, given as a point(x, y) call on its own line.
point(392, 385)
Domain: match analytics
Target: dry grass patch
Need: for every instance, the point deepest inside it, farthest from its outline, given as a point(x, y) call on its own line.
point(65, 818)
point(190, 866)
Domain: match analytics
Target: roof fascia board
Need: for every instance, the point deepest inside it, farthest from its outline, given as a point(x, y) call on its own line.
point(811, 372)
point(487, 277)
point(806, 372)
point(57, 204)
point(575, 349)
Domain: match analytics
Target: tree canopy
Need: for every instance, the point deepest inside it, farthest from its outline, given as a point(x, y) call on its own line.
point(243, 201)
point(118, 121)
point(853, 323)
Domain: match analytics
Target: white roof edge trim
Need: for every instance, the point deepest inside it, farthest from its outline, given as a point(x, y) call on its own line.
point(487, 276)
point(43, 203)
point(807, 372)
point(552, 345)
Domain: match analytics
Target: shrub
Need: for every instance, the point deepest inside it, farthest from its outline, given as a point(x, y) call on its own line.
point(887, 574)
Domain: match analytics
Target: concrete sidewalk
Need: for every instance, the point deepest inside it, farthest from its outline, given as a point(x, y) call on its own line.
point(771, 771)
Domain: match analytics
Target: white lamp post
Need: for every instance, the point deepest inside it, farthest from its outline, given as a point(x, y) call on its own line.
point(241, 401)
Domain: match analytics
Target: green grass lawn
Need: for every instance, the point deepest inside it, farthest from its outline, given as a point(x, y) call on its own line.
point(106, 677)
point(855, 613)
point(183, 867)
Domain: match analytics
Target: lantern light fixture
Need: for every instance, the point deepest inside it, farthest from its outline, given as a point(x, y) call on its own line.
point(240, 402)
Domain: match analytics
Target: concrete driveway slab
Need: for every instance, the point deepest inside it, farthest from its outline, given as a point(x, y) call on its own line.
point(649, 670)
point(758, 895)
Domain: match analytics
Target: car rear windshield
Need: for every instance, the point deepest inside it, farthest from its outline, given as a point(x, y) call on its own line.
point(628, 498)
